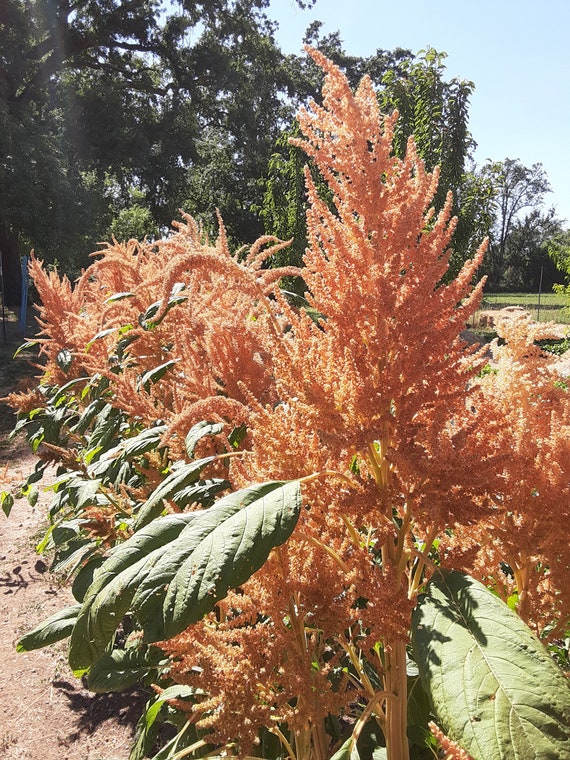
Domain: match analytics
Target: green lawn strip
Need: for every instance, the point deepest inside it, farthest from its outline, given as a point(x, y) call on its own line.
point(553, 306)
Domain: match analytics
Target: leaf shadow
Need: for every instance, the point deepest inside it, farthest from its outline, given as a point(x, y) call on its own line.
point(457, 607)
point(91, 710)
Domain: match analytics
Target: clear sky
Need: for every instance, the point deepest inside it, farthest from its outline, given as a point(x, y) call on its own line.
point(517, 52)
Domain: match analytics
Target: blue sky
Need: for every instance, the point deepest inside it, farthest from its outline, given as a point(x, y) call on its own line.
point(516, 52)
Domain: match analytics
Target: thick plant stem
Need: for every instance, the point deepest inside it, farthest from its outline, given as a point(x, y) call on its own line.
point(395, 682)
point(521, 570)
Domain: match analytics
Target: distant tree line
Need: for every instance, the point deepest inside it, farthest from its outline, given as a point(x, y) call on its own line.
point(115, 115)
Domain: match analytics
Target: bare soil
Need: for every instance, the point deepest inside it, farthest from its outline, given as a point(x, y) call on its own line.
point(45, 712)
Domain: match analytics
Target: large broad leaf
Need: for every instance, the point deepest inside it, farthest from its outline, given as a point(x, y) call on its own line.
point(55, 628)
point(182, 474)
point(234, 542)
point(108, 598)
point(494, 688)
point(171, 574)
point(123, 668)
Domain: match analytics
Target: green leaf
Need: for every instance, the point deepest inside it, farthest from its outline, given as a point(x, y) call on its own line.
point(219, 551)
point(87, 416)
point(153, 375)
point(114, 585)
point(37, 473)
point(237, 435)
point(182, 475)
point(85, 491)
point(7, 502)
point(61, 392)
point(110, 461)
point(55, 628)
point(74, 553)
point(146, 440)
point(101, 334)
point(174, 571)
point(203, 492)
point(199, 431)
point(494, 688)
point(123, 668)
point(147, 321)
point(369, 745)
point(25, 347)
point(178, 691)
point(419, 713)
point(147, 727)
point(119, 297)
point(64, 359)
point(107, 425)
point(85, 576)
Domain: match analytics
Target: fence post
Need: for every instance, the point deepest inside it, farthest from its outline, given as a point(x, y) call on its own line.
point(539, 292)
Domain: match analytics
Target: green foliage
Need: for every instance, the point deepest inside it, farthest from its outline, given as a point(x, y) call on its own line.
point(6, 502)
point(114, 116)
point(133, 223)
point(171, 573)
point(435, 112)
point(521, 231)
point(559, 252)
point(55, 628)
point(284, 202)
point(122, 669)
point(494, 688)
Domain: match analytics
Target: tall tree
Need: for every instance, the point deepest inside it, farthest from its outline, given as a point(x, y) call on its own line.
point(435, 111)
point(125, 91)
point(559, 252)
point(527, 265)
point(517, 189)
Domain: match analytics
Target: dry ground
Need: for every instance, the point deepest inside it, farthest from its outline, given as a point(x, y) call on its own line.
point(45, 712)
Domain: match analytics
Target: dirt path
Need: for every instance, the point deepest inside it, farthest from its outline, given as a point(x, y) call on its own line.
point(45, 713)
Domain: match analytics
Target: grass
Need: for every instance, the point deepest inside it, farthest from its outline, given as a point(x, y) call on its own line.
point(553, 307)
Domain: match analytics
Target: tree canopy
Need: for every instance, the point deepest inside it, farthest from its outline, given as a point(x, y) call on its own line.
point(115, 115)
point(521, 227)
point(98, 97)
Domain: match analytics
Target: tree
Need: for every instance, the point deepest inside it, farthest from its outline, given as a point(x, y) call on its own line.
point(527, 264)
point(559, 252)
point(130, 93)
point(436, 112)
point(517, 188)
point(307, 78)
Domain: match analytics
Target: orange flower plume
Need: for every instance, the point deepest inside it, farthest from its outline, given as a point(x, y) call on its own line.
point(377, 406)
